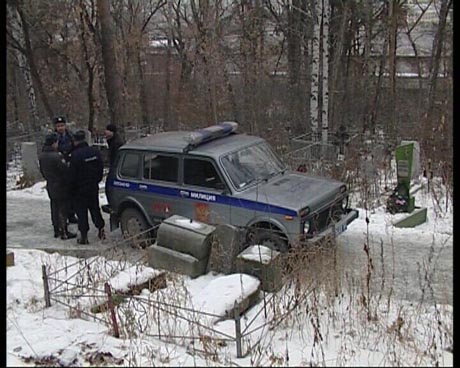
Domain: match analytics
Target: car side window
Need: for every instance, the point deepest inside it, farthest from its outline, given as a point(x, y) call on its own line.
point(201, 173)
point(130, 166)
point(161, 167)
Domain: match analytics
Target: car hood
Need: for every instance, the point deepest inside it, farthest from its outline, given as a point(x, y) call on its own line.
point(295, 191)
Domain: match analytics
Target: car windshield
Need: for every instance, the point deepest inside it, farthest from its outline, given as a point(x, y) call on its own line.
point(252, 164)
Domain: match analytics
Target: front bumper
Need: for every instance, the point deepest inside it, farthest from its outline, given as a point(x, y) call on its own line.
point(333, 230)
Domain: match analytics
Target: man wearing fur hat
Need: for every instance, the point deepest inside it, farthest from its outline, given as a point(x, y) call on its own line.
point(55, 170)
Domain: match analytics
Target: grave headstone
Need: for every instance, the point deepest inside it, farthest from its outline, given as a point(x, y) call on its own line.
point(225, 246)
point(30, 165)
point(415, 168)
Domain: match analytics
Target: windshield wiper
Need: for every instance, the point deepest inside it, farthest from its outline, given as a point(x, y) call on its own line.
point(276, 173)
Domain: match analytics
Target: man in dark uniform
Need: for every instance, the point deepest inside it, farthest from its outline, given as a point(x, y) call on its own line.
point(86, 171)
point(115, 142)
point(55, 170)
point(65, 146)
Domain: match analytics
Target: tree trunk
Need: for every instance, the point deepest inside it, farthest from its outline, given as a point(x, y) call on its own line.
point(315, 70)
point(325, 71)
point(113, 85)
point(438, 44)
point(89, 69)
point(33, 67)
point(294, 51)
point(167, 101)
point(17, 30)
point(392, 35)
point(142, 90)
point(366, 67)
point(337, 63)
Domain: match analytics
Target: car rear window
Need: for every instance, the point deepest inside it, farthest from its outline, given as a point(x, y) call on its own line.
point(161, 167)
point(130, 166)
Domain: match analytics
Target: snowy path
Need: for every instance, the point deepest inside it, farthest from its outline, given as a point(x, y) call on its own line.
point(414, 259)
point(29, 225)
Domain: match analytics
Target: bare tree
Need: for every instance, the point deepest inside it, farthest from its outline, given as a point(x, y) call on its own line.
point(19, 38)
point(438, 44)
point(113, 85)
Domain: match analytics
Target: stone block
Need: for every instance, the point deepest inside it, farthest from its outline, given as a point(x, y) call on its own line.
point(265, 264)
point(417, 217)
point(225, 247)
point(244, 304)
point(171, 260)
point(30, 162)
point(9, 259)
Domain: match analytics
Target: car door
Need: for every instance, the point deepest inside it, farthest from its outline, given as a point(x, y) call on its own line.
point(203, 191)
point(159, 192)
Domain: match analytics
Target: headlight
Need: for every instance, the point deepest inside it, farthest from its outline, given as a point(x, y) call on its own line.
point(344, 203)
point(306, 227)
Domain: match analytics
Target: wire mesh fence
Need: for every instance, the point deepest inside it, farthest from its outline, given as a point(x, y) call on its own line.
point(166, 313)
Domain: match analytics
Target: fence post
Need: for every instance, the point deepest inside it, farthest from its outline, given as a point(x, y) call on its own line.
point(239, 354)
point(116, 333)
point(46, 287)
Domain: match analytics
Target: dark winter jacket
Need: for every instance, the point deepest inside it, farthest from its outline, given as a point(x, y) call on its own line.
point(65, 143)
point(55, 171)
point(114, 144)
point(86, 169)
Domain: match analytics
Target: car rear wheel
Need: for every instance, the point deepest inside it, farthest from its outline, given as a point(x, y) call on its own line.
point(133, 223)
point(269, 238)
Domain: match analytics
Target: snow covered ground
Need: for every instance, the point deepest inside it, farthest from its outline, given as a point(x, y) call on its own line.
point(403, 318)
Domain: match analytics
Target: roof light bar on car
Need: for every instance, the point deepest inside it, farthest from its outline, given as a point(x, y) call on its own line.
point(212, 132)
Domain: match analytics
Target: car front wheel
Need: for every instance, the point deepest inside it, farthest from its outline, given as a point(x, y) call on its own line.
point(268, 238)
point(134, 227)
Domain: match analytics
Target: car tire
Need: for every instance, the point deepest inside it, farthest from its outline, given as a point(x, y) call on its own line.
point(133, 222)
point(268, 238)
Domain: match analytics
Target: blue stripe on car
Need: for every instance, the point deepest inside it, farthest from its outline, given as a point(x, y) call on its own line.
point(202, 196)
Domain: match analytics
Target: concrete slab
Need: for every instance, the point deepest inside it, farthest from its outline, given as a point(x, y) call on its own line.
point(225, 246)
point(187, 236)
point(227, 295)
point(417, 217)
point(171, 260)
point(265, 264)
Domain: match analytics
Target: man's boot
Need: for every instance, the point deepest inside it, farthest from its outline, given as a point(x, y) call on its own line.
point(101, 234)
point(66, 234)
point(57, 232)
point(83, 239)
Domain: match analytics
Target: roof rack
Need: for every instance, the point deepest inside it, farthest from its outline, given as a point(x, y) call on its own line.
point(210, 133)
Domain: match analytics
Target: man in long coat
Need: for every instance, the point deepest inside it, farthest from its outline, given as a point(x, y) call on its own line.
point(54, 169)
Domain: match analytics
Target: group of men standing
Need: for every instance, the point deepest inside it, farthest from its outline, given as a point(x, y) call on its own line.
point(73, 170)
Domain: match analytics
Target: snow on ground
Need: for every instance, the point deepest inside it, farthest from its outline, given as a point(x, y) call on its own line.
point(344, 329)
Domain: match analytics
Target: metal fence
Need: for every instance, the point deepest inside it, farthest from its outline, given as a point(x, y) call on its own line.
point(153, 317)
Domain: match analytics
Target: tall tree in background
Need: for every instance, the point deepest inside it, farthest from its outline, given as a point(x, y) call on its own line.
point(325, 17)
point(113, 85)
point(393, 8)
point(315, 70)
point(20, 40)
point(438, 44)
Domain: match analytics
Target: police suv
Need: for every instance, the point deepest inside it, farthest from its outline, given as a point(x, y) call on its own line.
point(217, 176)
